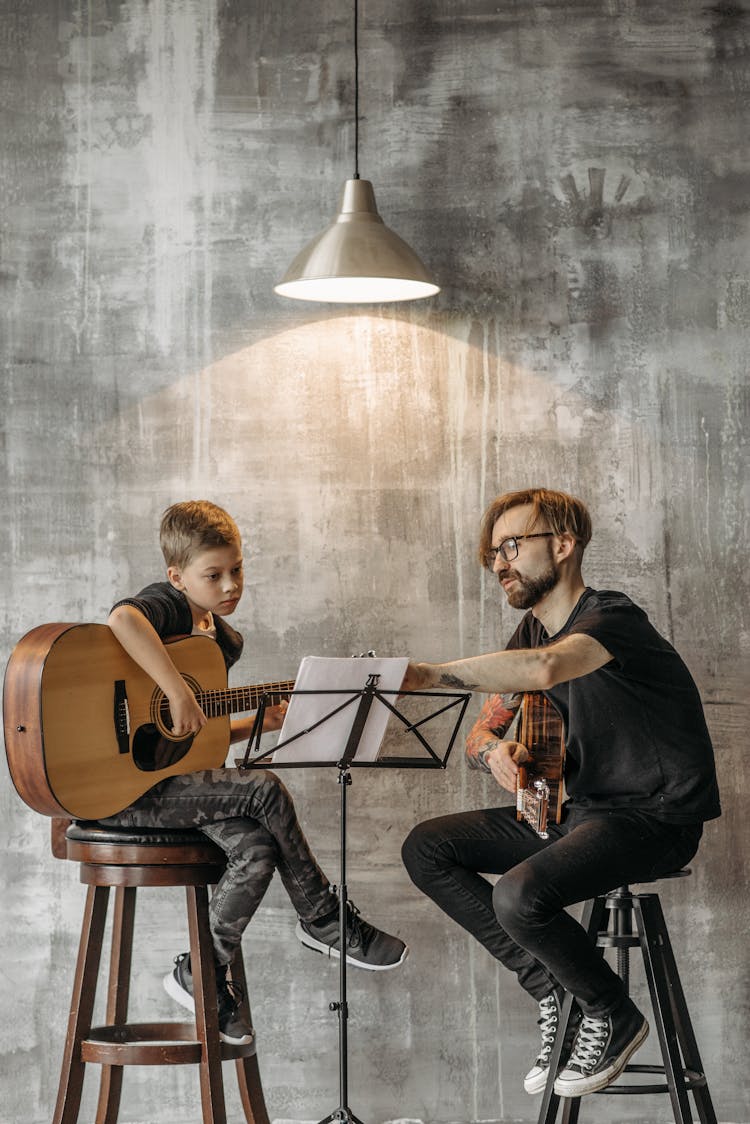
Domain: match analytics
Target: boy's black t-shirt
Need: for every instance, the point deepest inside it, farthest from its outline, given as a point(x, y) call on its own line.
point(167, 609)
point(636, 735)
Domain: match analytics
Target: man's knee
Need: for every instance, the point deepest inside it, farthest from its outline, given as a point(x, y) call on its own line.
point(515, 898)
point(418, 851)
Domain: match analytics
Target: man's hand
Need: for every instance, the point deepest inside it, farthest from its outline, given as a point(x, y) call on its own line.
point(419, 677)
point(503, 763)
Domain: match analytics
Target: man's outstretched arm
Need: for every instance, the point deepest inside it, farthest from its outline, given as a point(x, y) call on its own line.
point(523, 669)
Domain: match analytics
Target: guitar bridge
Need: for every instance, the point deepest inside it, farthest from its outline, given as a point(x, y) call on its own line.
point(122, 716)
point(532, 805)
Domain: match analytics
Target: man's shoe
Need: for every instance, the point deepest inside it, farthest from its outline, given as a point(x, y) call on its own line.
point(601, 1051)
point(232, 1026)
point(550, 1010)
point(366, 946)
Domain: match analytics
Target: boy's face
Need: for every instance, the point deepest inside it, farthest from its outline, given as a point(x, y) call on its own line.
point(212, 581)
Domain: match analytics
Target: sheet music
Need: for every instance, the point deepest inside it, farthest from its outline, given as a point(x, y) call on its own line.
point(328, 741)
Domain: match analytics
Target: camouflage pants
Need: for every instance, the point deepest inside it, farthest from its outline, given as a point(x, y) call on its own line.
point(251, 817)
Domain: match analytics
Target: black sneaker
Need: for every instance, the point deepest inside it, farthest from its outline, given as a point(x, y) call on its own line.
point(550, 1010)
point(366, 946)
point(233, 1028)
point(601, 1051)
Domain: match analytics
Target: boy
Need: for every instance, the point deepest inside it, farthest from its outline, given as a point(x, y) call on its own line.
point(250, 816)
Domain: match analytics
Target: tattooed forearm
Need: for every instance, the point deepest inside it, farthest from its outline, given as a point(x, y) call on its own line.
point(494, 721)
point(448, 680)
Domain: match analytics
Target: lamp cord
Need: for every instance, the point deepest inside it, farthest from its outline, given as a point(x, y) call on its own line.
point(356, 92)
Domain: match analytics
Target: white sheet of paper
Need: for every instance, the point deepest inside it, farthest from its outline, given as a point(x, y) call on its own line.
point(328, 741)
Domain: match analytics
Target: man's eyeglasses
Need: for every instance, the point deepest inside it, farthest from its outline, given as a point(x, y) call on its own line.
point(508, 548)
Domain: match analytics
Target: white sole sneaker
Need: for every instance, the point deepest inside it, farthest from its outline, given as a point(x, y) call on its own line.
point(536, 1079)
point(333, 953)
point(578, 1085)
point(174, 991)
point(185, 999)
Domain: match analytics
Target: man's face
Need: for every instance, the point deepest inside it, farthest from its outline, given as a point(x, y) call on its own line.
point(534, 572)
point(212, 581)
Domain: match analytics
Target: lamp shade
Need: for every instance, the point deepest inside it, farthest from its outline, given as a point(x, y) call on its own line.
point(357, 259)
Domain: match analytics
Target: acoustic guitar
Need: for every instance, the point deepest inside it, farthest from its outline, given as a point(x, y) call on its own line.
point(87, 732)
point(539, 785)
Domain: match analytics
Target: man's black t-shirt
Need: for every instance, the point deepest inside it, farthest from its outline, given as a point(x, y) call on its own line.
point(636, 735)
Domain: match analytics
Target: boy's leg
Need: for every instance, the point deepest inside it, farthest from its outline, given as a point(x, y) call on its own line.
point(251, 817)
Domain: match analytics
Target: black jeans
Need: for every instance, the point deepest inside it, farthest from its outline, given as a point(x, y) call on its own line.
point(522, 920)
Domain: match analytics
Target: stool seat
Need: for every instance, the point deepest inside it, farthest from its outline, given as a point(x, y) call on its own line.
point(126, 859)
point(609, 921)
point(90, 831)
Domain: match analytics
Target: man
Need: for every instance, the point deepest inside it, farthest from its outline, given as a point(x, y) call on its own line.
point(639, 774)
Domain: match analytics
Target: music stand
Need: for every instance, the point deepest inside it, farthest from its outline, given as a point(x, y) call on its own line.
point(366, 696)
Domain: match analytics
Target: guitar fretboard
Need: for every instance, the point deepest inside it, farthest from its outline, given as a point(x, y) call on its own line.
point(234, 699)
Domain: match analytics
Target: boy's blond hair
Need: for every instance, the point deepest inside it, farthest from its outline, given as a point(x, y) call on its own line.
point(192, 526)
point(562, 513)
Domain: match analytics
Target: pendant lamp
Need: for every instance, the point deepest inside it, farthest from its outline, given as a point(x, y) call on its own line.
point(357, 259)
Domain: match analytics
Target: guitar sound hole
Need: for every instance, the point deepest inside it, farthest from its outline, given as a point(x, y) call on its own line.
point(152, 751)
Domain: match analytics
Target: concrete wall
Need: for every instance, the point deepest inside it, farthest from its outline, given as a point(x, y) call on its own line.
point(577, 174)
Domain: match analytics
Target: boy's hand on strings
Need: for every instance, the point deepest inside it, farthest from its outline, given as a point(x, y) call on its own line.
point(187, 717)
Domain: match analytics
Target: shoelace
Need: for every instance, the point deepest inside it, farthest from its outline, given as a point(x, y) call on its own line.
point(547, 1022)
point(589, 1043)
point(230, 995)
point(359, 933)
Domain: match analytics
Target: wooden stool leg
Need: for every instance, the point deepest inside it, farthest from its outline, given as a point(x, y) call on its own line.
point(110, 1086)
point(670, 1012)
point(248, 1073)
point(206, 1016)
point(81, 1005)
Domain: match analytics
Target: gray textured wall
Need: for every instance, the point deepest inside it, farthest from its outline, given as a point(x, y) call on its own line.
point(577, 173)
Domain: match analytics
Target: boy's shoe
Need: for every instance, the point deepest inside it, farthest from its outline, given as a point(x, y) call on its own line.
point(550, 1010)
point(233, 1028)
point(366, 946)
point(601, 1051)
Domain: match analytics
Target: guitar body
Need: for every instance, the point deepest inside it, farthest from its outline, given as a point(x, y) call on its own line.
point(87, 732)
point(540, 787)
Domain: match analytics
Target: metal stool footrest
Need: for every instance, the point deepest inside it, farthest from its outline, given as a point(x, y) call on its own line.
point(693, 1080)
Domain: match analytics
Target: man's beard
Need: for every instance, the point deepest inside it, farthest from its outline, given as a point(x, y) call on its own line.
point(532, 590)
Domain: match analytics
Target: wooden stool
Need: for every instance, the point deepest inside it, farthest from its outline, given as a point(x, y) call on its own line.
point(608, 920)
point(126, 859)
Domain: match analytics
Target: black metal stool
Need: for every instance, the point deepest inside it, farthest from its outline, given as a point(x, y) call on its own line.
point(608, 920)
point(125, 859)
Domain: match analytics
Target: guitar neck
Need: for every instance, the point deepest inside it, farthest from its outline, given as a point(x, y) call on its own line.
point(237, 699)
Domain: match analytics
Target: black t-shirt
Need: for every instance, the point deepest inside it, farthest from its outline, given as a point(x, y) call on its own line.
point(636, 735)
point(167, 609)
